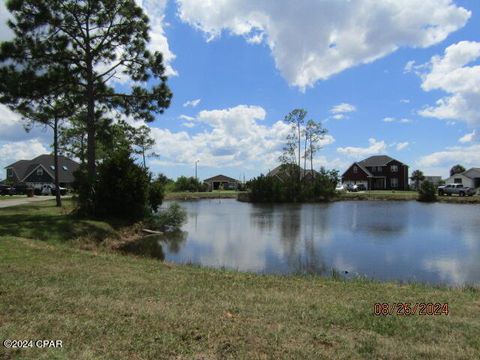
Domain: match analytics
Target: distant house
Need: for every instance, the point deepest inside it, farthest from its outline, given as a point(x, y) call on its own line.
point(285, 171)
point(379, 172)
point(41, 171)
point(469, 178)
point(222, 182)
point(435, 180)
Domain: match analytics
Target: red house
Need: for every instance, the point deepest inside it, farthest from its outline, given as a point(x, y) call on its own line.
point(379, 172)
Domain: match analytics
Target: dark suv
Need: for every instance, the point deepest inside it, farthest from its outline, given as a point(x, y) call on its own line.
point(6, 190)
point(21, 189)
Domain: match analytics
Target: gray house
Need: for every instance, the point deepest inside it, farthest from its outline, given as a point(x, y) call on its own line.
point(222, 182)
point(470, 178)
point(41, 170)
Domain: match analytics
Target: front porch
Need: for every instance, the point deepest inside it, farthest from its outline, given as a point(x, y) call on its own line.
point(377, 183)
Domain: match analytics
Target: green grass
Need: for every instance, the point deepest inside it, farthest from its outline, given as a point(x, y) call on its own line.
point(103, 305)
point(184, 195)
point(402, 195)
point(8, 197)
point(44, 221)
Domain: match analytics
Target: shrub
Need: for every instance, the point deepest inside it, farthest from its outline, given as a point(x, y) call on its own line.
point(122, 188)
point(286, 187)
point(324, 185)
point(427, 192)
point(170, 219)
point(156, 192)
point(184, 183)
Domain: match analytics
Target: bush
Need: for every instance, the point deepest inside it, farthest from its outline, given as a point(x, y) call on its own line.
point(323, 185)
point(170, 219)
point(191, 184)
point(122, 188)
point(427, 192)
point(286, 187)
point(156, 192)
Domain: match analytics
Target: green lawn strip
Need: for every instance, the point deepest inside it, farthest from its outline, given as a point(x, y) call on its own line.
point(403, 195)
point(224, 194)
point(44, 221)
point(105, 305)
point(12, 197)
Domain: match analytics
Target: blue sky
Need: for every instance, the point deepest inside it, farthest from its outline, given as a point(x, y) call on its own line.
point(384, 77)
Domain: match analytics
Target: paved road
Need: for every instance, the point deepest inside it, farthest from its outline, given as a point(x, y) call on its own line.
point(24, 200)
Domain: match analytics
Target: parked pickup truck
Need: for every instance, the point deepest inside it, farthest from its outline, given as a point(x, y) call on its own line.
point(457, 189)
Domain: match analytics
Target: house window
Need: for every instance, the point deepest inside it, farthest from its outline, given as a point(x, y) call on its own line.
point(39, 172)
point(52, 167)
point(379, 168)
point(394, 182)
point(9, 173)
point(64, 168)
point(457, 180)
point(394, 168)
point(355, 169)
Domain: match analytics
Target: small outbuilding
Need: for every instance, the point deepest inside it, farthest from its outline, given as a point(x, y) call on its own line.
point(222, 182)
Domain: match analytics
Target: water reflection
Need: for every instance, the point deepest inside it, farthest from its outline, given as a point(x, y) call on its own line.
point(406, 241)
point(152, 245)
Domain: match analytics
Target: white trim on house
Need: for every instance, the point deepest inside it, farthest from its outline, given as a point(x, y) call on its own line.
point(35, 169)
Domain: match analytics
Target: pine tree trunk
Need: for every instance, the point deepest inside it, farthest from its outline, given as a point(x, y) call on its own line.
point(55, 162)
point(311, 159)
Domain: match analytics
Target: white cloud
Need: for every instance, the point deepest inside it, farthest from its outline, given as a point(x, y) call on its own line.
point(313, 40)
point(375, 147)
point(469, 137)
point(192, 103)
point(155, 9)
point(5, 32)
point(402, 145)
point(392, 119)
point(13, 129)
point(404, 101)
point(450, 73)
point(186, 118)
point(234, 137)
point(343, 108)
point(339, 116)
point(19, 150)
point(468, 156)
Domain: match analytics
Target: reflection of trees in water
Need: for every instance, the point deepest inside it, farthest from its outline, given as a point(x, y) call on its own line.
point(174, 240)
point(151, 245)
point(381, 221)
point(310, 261)
point(291, 221)
point(262, 216)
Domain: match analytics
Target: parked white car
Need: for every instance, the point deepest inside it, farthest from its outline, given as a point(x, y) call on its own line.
point(341, 187)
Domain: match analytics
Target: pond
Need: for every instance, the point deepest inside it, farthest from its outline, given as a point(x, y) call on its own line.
point(383, 240)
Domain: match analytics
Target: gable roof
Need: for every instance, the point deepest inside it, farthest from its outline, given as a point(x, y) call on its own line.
point(377, 160)
point(221, 178)
point(361, 166)
point(283, 170)
point(67, 167)
point(472, 173)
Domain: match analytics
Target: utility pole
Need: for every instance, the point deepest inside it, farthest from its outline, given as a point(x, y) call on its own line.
point(196, 162)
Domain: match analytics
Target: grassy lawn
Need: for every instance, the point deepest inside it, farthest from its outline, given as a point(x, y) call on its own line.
point(402, 195)
point(8, 197)
point(44, 221)
point(217, 194)
point(105, 305)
